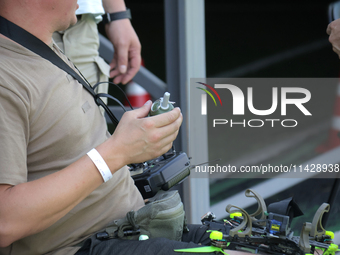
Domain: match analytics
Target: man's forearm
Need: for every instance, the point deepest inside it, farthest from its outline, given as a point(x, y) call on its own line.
point(31, 207)
point(111, 6)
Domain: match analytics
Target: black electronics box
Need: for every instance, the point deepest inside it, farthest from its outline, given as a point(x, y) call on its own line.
point(161, 173)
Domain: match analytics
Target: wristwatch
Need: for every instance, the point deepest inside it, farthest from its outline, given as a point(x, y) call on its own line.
point(108, 17)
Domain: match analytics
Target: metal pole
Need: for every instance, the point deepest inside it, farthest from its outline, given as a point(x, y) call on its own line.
point(185, 59)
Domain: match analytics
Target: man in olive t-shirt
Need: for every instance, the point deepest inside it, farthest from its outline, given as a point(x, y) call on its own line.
point(52, 195)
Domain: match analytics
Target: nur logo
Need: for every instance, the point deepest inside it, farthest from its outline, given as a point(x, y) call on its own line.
point(280, 99)
point(239, 99)
point(204, 97)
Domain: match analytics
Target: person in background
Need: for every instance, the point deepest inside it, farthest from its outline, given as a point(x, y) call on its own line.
point(333, 30)
point(80, 42)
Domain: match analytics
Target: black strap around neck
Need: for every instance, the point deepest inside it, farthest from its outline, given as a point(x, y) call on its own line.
point(29, 41)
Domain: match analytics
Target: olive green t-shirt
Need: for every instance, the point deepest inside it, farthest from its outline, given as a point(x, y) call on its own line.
point(48, 121)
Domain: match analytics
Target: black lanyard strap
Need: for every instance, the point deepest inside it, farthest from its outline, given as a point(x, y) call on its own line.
point(29, 41)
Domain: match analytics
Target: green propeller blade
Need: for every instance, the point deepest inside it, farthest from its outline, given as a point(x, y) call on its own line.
point(203, 249)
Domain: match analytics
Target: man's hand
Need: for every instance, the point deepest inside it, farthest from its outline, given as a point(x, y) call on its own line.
point(333, 30)
point(127, 50)
point(138, 138)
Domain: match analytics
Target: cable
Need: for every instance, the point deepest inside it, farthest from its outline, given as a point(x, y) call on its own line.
point(108, 82)
point(113, 98)
point(97, 99)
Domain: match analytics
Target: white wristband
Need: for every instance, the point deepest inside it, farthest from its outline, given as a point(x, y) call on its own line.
point(102, 167)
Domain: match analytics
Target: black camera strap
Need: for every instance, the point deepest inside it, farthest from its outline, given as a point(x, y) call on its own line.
point(29, 41)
